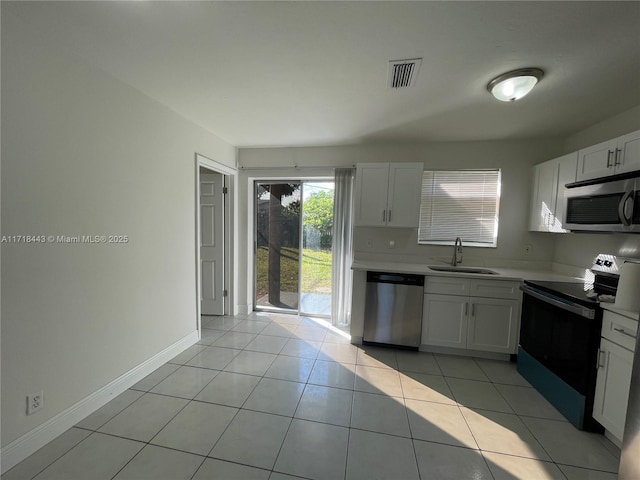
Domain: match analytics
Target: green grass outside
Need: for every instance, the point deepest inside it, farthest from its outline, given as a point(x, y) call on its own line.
point(316, 271)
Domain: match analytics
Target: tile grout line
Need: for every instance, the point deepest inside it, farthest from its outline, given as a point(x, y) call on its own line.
point(275, 460)
point(292, 417)
point(539, 443)
point(473, 435)
point(523, 423)
point(97, 430)
point(284, 438)
point(56, 459)
point(145, 443)
point(353, 399)
point(189, 401)
point(551, 460)
point(197, 469)
point(240, 408)
point(406, 413)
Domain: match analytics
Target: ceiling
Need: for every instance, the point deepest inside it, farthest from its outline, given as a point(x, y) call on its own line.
point(315, 73)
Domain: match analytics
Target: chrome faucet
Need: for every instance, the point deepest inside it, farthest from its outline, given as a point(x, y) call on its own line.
point(457, 252)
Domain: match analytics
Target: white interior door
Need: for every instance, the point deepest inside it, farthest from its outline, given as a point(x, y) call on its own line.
point(212, 243)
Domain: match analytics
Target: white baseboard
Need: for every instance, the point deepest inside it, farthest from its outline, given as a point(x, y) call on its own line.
point(37, 438)
point(461, 352)
point(612, 438)
point(244, 309)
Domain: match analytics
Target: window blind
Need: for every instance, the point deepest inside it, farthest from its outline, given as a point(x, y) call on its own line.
point(460, 203)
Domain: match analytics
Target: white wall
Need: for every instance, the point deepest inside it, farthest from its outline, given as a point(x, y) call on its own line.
point(579, 249)
point(624, 122)
point(514, 158)
point(83, 153)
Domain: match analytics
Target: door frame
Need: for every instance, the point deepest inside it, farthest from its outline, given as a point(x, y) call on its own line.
point(254, 243)
point(251, 229)
point(230, 176)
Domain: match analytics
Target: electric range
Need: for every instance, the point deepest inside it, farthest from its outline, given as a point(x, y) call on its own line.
point(559, 339)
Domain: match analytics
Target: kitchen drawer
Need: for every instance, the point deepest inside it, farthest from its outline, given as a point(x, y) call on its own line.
point(619, 329)
point(495, 289)
point(446, 285)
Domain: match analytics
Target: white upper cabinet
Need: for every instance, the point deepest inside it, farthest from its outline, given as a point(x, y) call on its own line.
point(388, 194)
point(548, 200)
point(619, 155)
point(403, 200)
point(596, 161)
point(544, 196)
point(628, 158)
point(372, 180)
point(567, 166)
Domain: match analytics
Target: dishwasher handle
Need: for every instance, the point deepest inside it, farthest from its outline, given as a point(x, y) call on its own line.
point(395, 278)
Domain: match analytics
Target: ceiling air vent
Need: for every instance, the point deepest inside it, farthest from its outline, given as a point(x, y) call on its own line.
point(403, 73)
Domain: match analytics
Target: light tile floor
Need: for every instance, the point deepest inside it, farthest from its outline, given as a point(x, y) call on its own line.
point(269, 396)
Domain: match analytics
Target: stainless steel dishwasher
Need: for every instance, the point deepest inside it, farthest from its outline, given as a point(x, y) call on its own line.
point(393, 309)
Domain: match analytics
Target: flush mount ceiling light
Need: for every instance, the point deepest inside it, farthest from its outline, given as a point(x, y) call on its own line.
point(514, 85)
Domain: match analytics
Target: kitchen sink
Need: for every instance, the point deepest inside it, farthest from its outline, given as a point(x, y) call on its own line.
point(447, 268)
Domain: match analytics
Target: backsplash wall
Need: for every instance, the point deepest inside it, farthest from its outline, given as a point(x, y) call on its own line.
point(579, 249)
point(515, 160)
point(401, 245)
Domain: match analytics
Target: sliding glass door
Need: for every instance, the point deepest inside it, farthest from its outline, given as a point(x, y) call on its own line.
point(293, 232)
point(277, 261)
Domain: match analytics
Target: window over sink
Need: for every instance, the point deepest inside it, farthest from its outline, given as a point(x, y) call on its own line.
point(459, 203)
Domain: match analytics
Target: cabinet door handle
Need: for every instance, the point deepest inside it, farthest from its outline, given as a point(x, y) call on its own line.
point(466, 308)
point(609, 153)
point(389, 216)
point(384, 215)
point(473, 309)
point(617, 157)
point(600, 363)
point(623, 332)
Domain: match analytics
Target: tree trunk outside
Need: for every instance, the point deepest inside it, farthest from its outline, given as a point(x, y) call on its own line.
point(275, 242)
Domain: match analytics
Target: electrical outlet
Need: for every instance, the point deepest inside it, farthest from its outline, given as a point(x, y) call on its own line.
point(527, 249)
point(35, 402)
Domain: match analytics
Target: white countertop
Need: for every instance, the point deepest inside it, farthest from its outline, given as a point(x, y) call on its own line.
point(502, 273)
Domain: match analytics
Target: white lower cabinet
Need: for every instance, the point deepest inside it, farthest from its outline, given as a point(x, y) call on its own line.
point(615, 362)
point(493, 325)
point(612, 387)
point(471, 322)
point(445, 320)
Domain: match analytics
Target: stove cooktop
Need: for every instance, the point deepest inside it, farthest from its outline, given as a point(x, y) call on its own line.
point(575, 292)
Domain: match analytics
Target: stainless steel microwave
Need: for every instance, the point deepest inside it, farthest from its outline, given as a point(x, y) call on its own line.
point(604, 206)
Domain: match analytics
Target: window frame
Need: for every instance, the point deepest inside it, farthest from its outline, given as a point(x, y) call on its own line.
point(467, 242)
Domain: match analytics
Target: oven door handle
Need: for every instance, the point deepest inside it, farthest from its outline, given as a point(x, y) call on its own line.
point(573, 308)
